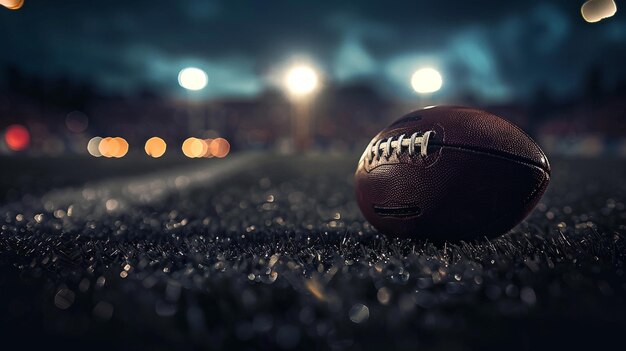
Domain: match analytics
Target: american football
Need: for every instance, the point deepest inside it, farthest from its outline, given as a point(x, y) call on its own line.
point(450, 173)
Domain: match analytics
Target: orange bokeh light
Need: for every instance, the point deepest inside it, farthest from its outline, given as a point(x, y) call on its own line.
point(17, 137)
point(113, 147)
point(122, 147)
point(155, 147)
point(219, 147)
point(207, 153)
point(12, 4)
point(194, 147)
point(108, 147)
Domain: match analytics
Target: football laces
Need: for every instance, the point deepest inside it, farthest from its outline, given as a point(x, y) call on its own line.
point(385, 147)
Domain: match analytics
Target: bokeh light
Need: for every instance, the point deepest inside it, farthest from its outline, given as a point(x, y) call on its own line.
point(93, 146)
point(155, 147)
point(113, 147)
point(108, 147)
point(426, 80)
point(207, 153)
point(194, 147)
point(301, 80)
point(122, 147)
point(597, 10)
point(192, 78)
point(17, 137)
point(76, 122)
point(219, 147)
point(12, 4)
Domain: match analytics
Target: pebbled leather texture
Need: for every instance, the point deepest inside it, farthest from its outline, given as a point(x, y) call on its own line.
point(481, 176)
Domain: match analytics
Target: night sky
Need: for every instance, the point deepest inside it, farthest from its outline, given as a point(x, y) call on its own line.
point(497, 50)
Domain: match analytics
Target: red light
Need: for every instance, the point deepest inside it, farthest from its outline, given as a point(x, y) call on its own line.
point(17, 137)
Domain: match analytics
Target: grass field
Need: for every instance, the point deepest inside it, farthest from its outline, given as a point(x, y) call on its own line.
point(271, 252)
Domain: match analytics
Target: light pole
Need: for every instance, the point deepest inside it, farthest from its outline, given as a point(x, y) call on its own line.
point(192, 79)
point(301, 83)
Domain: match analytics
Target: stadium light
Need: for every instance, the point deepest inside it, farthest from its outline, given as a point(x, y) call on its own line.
point(426, 80)
point(301, 81)
point(192, 78)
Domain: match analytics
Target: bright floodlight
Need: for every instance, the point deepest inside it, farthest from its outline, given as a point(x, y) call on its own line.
point(426, 80)
point(192, 78)
point(301, 80)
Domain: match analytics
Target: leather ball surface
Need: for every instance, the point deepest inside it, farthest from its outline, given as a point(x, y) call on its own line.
point(450, 173)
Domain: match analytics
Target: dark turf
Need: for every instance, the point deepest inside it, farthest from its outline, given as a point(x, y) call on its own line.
point(277, 255)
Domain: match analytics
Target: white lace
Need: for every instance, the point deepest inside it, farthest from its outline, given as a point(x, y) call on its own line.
point(386, 146)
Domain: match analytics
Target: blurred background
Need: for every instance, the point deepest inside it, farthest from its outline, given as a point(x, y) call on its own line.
point(204, 79)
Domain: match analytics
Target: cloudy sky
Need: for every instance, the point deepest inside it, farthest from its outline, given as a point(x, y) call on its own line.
point(498, 50)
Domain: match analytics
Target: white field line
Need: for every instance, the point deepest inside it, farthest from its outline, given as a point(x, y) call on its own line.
point(120, 194)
